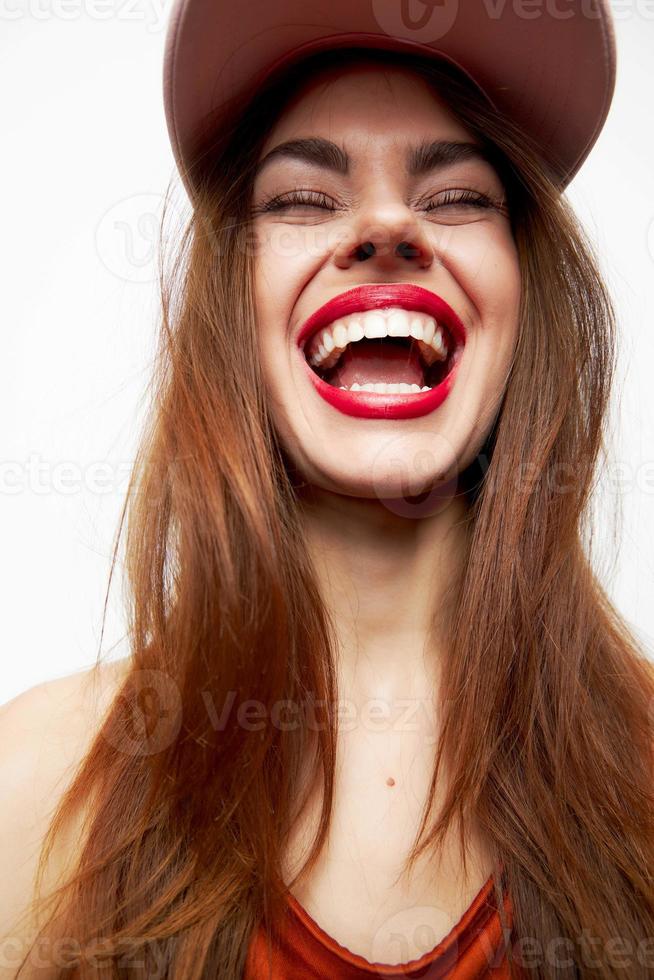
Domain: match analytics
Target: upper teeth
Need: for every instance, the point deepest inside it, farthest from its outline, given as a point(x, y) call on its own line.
point(325, 347)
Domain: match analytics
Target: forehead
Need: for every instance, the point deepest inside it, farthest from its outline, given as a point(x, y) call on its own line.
point(368, 105)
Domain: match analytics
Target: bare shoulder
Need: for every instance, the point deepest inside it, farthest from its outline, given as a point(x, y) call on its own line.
point(44, 734)
point(68, 707)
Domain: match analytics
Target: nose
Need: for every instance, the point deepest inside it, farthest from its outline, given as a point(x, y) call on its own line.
point(390, 239)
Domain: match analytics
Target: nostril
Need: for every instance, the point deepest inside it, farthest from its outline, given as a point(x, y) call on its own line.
point(407, 251)
point(364, 251)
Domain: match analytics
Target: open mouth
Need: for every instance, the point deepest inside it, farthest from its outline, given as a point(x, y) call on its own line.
point(390, 351)
point(383, 350)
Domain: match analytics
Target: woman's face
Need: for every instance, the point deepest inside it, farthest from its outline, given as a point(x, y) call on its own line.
point(362, 200)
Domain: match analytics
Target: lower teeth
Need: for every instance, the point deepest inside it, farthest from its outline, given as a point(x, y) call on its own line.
point(387, 389)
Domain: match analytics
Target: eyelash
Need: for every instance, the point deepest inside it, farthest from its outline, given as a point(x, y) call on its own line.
point(308, 199)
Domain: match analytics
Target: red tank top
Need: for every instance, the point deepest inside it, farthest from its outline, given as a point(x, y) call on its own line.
point(302, 950)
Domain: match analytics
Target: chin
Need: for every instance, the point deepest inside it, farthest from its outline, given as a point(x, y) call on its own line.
point(392, 472)
point(389, 461)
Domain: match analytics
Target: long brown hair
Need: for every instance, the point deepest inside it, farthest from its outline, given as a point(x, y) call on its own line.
point(546, 696)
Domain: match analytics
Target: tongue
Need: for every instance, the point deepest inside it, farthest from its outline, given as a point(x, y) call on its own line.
point(370, 361)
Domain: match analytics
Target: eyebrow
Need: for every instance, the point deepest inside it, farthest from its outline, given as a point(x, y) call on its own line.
point(421, 159)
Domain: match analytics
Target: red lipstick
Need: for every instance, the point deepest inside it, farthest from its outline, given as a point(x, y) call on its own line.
point(368, 404)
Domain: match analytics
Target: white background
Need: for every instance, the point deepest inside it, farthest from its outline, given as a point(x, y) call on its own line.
point(85, 161)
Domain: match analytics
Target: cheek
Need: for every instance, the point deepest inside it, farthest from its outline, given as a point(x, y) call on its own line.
point(286, 258)
point(484, 262)
point(285, 253)
point(281, 267)
point(483, 259)
point(273, 293)
point(278, 281)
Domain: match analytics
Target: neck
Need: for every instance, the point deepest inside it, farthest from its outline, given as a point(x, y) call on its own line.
point(384, 578)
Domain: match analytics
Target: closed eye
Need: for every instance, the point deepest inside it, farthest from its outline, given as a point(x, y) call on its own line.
point(469, 198)
point(296, 198)
point(318, 199)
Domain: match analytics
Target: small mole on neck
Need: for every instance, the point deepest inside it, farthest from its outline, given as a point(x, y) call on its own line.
point(390, 781)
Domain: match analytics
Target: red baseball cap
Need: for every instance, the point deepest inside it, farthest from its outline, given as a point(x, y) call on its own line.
point(547, 64)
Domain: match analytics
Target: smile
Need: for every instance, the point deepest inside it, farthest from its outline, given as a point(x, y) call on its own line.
point(383, 351)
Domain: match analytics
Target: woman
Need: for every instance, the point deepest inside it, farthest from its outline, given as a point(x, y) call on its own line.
point(404, 566)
